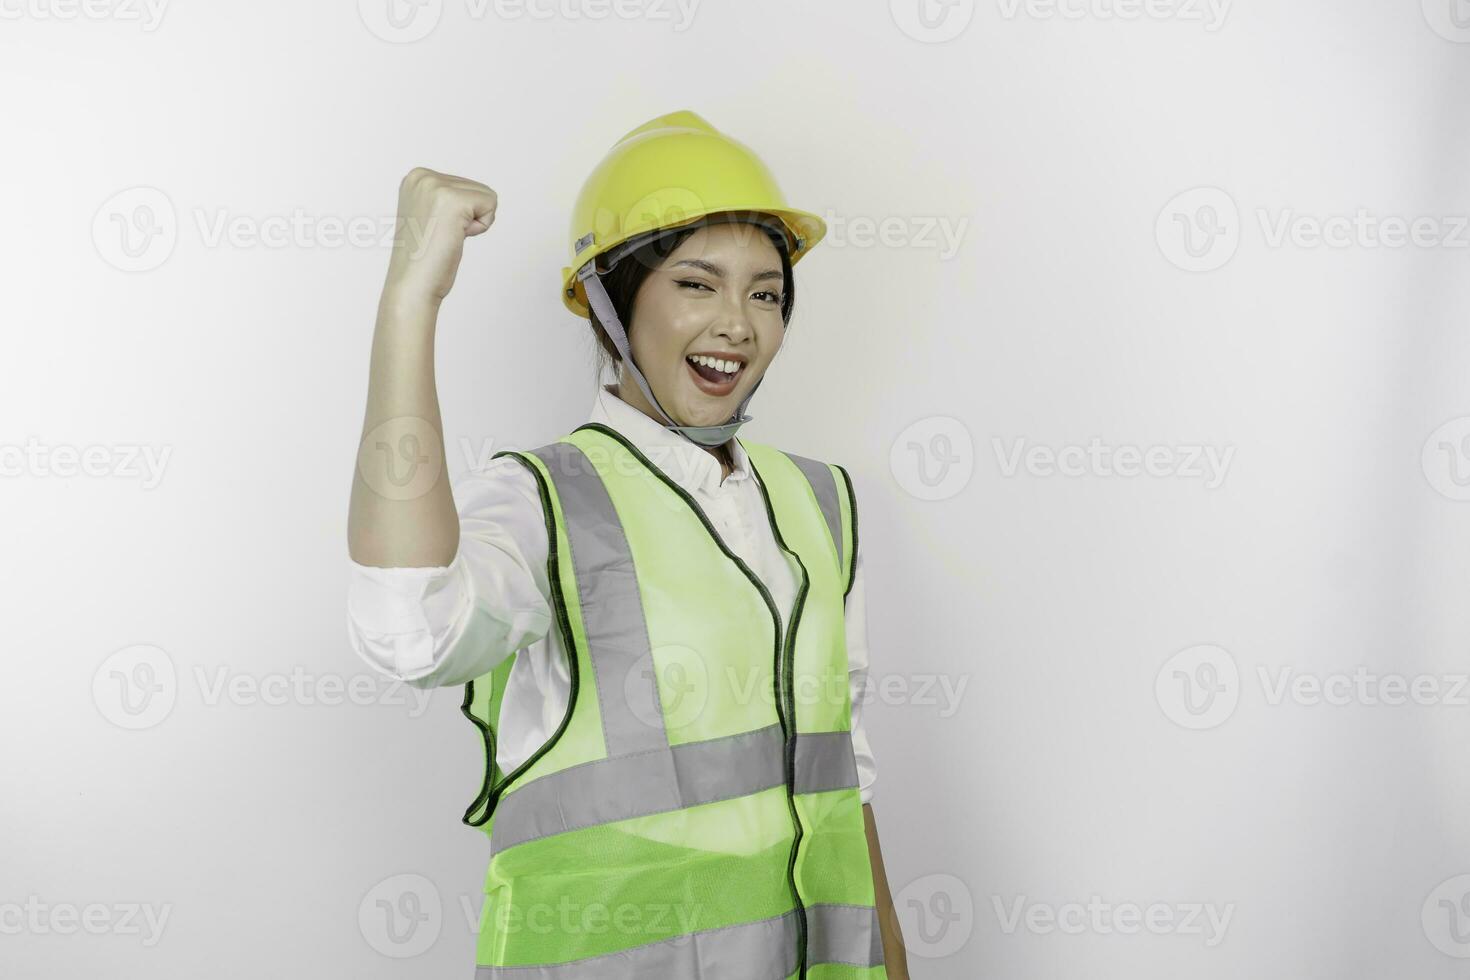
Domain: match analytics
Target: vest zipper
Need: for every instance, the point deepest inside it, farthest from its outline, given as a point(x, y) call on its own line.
point(788, 724)
point(790, 703)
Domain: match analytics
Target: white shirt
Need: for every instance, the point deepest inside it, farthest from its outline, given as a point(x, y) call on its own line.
point(441, 626)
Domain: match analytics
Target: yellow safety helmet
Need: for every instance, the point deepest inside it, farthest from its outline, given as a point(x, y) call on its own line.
point(672, 171)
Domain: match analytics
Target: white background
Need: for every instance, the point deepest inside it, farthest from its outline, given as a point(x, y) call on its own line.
point(1092, 291)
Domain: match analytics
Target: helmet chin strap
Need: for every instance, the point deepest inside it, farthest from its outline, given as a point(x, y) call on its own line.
point(708, 436)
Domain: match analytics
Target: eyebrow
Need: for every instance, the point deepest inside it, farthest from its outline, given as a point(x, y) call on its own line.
point(719, 271)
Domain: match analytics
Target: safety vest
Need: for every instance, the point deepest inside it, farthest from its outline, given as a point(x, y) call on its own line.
point(696, 812)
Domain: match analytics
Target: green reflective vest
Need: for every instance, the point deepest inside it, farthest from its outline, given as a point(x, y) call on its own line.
point(696, 812)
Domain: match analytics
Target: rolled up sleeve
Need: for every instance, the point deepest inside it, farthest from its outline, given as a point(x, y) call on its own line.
point(437, 626)
point(856, 622)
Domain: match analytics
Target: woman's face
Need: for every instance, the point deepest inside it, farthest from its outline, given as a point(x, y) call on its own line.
point(717, 294)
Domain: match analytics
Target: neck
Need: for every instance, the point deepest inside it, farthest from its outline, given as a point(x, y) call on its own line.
point(723, 453)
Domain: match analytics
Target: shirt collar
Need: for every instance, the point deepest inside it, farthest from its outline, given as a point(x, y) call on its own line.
point(688, 465)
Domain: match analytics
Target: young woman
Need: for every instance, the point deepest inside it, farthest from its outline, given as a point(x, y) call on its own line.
point(658, 624)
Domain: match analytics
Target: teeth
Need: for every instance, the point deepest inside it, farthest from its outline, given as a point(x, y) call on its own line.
point(729, 367)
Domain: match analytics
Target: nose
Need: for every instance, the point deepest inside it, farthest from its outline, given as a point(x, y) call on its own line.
point(732, 323)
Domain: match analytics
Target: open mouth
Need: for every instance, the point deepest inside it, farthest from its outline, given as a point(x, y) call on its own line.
point(714, 375)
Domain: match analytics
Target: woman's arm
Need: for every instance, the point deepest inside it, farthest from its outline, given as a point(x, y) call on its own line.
point(856, 616)
point(402, 512)
point(435, 597)
point(895, 959)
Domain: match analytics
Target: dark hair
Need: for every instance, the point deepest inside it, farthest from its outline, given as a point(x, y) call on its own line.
point(627, 275)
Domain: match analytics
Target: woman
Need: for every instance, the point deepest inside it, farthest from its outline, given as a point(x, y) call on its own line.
point(658, 624)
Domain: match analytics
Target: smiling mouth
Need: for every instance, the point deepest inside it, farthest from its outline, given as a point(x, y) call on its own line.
point(712, 379)
point(712, 374)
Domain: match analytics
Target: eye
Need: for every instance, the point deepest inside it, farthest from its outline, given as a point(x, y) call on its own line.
point(773, 297)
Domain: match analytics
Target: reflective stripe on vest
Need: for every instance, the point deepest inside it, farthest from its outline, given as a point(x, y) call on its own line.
point(841, 934)
point(638, 796)
point(670, 778)
point(825, 487)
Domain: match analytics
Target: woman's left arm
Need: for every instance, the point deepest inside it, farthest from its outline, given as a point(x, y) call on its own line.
point(855, 613)
point(895, 960)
